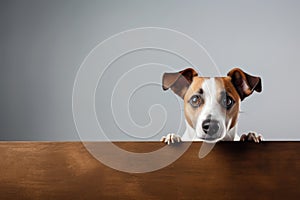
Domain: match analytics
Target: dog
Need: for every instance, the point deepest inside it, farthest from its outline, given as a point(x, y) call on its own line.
point(211, 105)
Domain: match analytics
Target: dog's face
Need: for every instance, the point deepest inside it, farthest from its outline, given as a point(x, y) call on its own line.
point(211, 105)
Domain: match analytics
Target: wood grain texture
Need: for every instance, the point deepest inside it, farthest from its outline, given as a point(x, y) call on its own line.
point(233, 170)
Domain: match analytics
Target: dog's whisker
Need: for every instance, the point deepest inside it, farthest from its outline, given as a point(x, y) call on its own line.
point(229, 125)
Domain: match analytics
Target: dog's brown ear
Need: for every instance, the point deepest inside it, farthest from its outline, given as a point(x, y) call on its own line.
point(179, 82)
point(244, 83)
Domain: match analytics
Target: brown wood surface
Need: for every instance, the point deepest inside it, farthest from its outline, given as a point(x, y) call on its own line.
point(233, 170)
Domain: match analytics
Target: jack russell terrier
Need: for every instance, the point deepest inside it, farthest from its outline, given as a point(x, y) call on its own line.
point(211, 105)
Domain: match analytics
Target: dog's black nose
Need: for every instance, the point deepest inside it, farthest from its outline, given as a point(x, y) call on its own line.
point(210, 126)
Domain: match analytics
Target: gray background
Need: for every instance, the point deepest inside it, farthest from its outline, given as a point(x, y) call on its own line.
point(43, 43)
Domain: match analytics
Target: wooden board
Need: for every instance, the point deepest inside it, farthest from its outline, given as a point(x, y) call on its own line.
point(233, 170)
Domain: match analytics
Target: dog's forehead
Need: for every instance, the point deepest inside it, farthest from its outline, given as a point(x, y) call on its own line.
point(203, 83)
point(220, 82)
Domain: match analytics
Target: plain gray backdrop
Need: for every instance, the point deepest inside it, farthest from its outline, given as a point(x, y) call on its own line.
point(43, 44)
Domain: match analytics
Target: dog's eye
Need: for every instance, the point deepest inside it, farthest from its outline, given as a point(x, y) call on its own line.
point(227, 102)
point(196, 101)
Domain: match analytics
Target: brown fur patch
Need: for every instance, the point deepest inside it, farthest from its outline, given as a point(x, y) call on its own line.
point(232, 113)
point(190, 113)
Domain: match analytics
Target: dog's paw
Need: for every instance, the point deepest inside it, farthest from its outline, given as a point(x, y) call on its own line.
point(251, 137)
point(171, 138)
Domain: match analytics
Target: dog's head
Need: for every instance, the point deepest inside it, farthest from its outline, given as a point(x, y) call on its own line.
point(211, 105)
